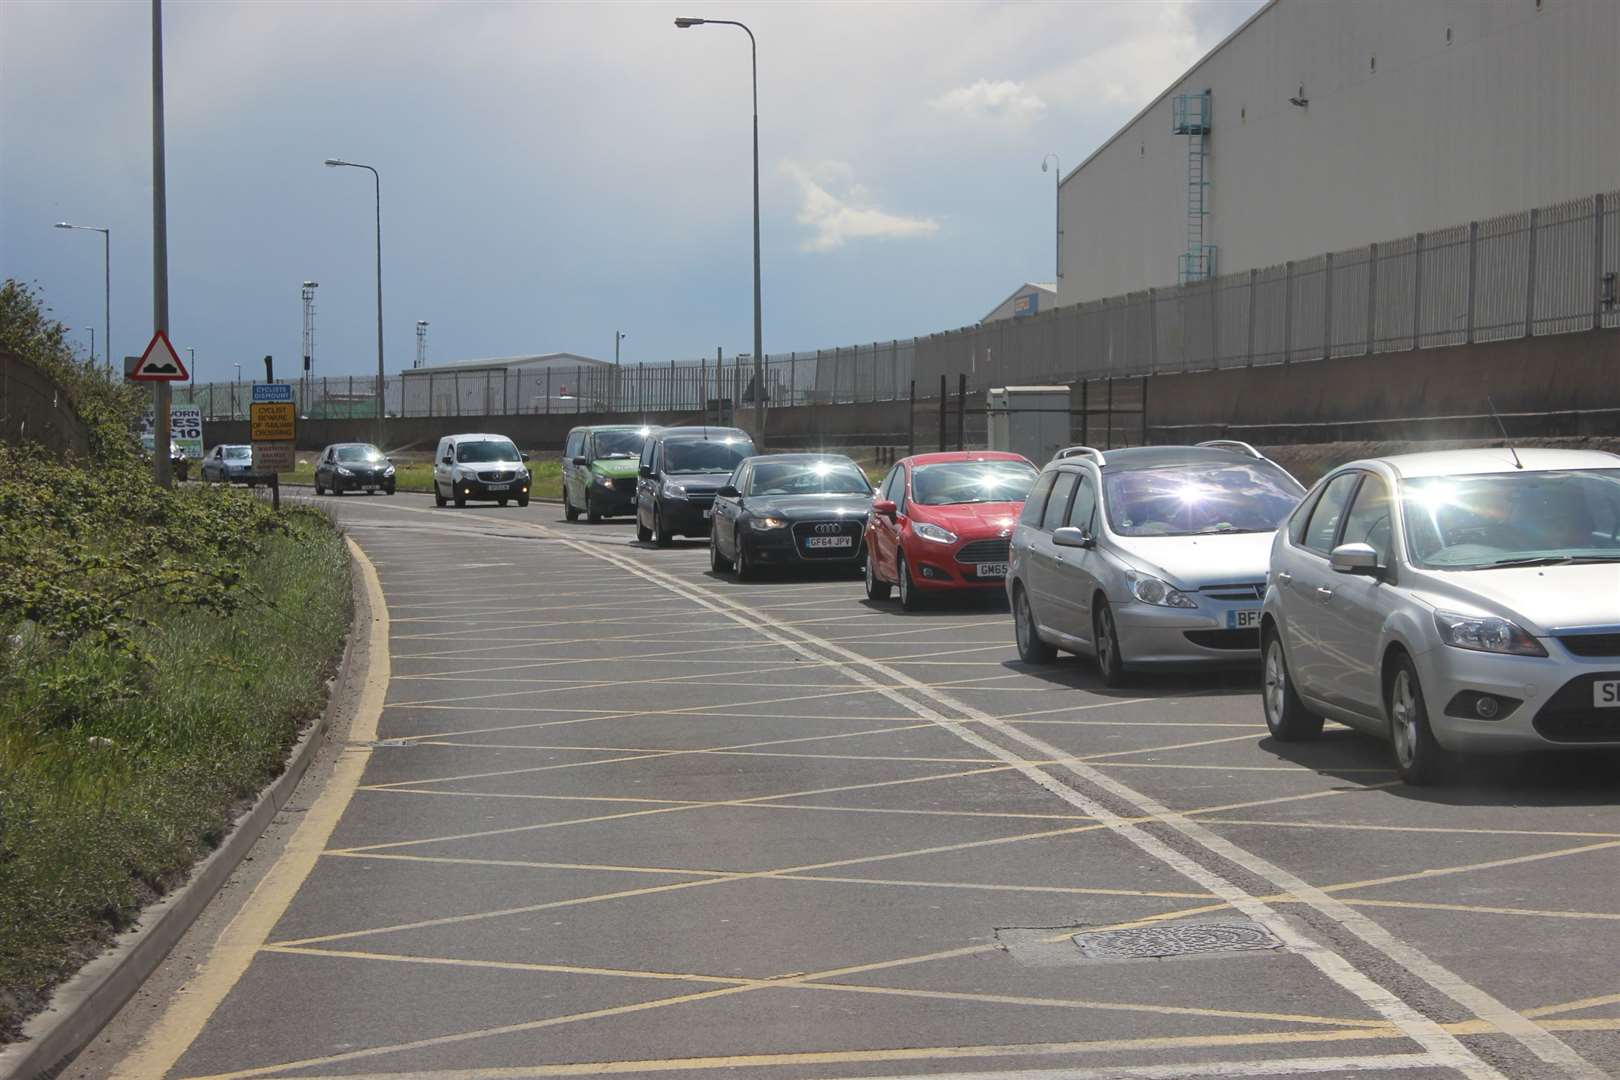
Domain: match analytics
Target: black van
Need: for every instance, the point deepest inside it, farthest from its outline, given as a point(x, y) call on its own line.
point(681, 469)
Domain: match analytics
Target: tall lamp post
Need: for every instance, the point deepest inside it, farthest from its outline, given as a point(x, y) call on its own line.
point(334, 163)
point(1057, 208)
point(759, 347)
point(106, 285)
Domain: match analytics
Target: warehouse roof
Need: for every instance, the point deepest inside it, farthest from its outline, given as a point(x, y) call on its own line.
point(502, 363)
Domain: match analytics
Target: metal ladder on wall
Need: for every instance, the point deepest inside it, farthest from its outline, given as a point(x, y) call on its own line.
point(1191, 117)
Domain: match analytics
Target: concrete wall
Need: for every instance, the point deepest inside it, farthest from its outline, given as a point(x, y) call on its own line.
point(1514, 111)
point(33, 408)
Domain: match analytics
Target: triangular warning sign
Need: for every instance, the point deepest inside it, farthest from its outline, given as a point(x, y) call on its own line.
point(159, 363)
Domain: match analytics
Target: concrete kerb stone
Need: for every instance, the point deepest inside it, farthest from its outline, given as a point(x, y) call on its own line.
point(532, 498)
point(84, 1004)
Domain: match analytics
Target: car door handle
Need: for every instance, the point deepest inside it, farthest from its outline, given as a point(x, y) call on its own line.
point(1324, 592)
point(1284, 578)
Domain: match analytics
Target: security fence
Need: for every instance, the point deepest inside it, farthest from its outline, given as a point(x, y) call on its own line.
point(1551, 270)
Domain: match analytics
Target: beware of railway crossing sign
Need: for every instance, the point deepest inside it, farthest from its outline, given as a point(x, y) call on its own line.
point(273, 418)
point(159, 363)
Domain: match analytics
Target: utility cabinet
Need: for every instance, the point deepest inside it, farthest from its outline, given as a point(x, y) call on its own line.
point(1029, 420)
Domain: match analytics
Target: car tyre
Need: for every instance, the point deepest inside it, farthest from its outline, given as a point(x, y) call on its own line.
point(592, 514)
point(1420, 760)
point(1105, 643)
point(910, 600)
point(319, 490)
point(643, 534)
point(661, 535)
point(460, 499)
point(1031, 649)
point(876, 587)
point(438, 496)
point(745, 568)
point(522, 500)
point(503, 502)
point(568, 507)
point(1287, 718)
point(717, 562)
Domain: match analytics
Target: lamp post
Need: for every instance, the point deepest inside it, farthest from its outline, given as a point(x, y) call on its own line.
point(759, 348)
point(1057, 207)
point(334, 163)
point(106, 285)
point(236, 388)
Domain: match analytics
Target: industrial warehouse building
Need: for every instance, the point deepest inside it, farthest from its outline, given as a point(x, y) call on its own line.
point(1030, 298)
point(549, 382)
point(1320, 126)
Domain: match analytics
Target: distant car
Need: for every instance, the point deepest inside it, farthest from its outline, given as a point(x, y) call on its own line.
point(230, 463)
point(489, 468)
point(179, 462)
point(790, 510)
point(1451, 602)
point(599, 470)
point(353, 467)
point(680, 470)
point(1149, 555)
point(943, 522)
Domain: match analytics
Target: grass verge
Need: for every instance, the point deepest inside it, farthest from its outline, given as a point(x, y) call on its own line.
point(418, 476)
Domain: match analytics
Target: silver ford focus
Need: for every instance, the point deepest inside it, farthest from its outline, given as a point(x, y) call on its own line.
point(1456, 601)
point(1147, 556)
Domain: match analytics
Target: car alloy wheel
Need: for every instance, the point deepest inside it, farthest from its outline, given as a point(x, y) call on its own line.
point(909, 600)
point(1031, 649)
point(438, 496)
point(592, 514)
point(1419, 759)
point(661, 535)
point(876, 588)
point(319, 490)
point(718, 563)
point(568, 506)
point(1105, 640)
point(745, 566)
point(1286, 716)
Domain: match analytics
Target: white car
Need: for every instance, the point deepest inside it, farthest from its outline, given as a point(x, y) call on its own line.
point(478, 466)
point(1451, 602)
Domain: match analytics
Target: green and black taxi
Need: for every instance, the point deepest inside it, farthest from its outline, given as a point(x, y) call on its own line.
point(599, 470)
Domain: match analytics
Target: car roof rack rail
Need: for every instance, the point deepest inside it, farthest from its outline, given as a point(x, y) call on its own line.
point(1233, 444)
point(1081, 451)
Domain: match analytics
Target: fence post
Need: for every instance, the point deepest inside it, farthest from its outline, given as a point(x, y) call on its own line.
point(1473, 277)
point(1249, 348)
point(430, 396)
point(1144, 410)
point(1110, 413)
point(1417, 292)
point(1530, 278)
point(1372, 296)
point(1214, 327)
point(458, 393)
point(1597, 265)
point(961, 409)
point(1153, 330)
point(1085, 413)
point(793, 376)
point(1288, 312)
point(489, 398)
point(548, 391)
point(911, 422)
point(944, 393)
point(1327, 306)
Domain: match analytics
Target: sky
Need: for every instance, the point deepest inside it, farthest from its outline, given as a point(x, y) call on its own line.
point(554, 172)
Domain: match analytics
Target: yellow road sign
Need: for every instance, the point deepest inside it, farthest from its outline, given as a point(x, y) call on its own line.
point(272, 421)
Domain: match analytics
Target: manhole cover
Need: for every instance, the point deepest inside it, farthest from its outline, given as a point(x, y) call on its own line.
point(1181, 939)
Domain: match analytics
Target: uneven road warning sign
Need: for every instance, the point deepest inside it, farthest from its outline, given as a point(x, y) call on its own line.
point(159, 363)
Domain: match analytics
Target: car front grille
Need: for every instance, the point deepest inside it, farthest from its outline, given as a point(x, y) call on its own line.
point(625, 483)
point(1591, 644)
point(497, 476)
point(850, 527)
point(1246, 591)
point(1569, 716)
point(1234, 640)
point(978, 551)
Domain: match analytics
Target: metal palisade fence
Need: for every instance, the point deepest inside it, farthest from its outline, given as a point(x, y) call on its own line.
point(1551, 270)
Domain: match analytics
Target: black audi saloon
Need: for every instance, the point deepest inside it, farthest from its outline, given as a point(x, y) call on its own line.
point(790, 510)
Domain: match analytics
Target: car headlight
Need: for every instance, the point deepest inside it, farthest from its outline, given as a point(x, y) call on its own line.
point(1159, 593)
point(1485, 633)
point(341, 471)
point(388, 471)
point(765, 524)
point(933, 532)
point(603, 478)
point(674, 491)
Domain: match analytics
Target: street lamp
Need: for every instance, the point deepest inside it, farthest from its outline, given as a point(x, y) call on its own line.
point(334, 163)
point(236, 389)
point(106, 285)
point(759, 348)
point(1057, 206)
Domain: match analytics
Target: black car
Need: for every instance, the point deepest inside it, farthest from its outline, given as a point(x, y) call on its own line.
point(791, 510)
point(353, 466)
point(681, 468)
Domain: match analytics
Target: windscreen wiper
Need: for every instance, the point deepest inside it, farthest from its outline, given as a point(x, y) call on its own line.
point(1549, 560)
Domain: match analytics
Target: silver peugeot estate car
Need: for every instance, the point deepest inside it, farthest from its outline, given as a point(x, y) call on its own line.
point(1150, 555)
point(1455, 601)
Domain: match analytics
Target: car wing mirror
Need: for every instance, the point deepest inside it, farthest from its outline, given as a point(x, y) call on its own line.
point(884, 507)
point(1072, 537)
point(448, 460)
point(1355, 559)
point(727, 491)
point(523, 455)
point(644, 470)
point(581, 459)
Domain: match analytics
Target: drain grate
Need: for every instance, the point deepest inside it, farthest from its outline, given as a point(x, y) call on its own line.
point(1180, 939)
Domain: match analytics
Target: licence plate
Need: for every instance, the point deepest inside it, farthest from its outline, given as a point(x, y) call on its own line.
point(707, 514)
point(497, 487)
point(1606, 694)
point(1243, 619)
point(369, 488)
point(990, 569)
point(830, 542)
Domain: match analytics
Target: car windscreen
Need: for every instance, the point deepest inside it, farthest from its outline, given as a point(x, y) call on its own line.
point(358, 453)
point(486, 450)
point(807, 478)
point(238, 453)
point(1192, 499)
point(704, 455)
point(618, 444)
point(1512, 519)
point(952, 482)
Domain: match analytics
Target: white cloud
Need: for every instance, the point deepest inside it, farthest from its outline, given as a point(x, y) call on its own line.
point(837, 209)
point(986, 100)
